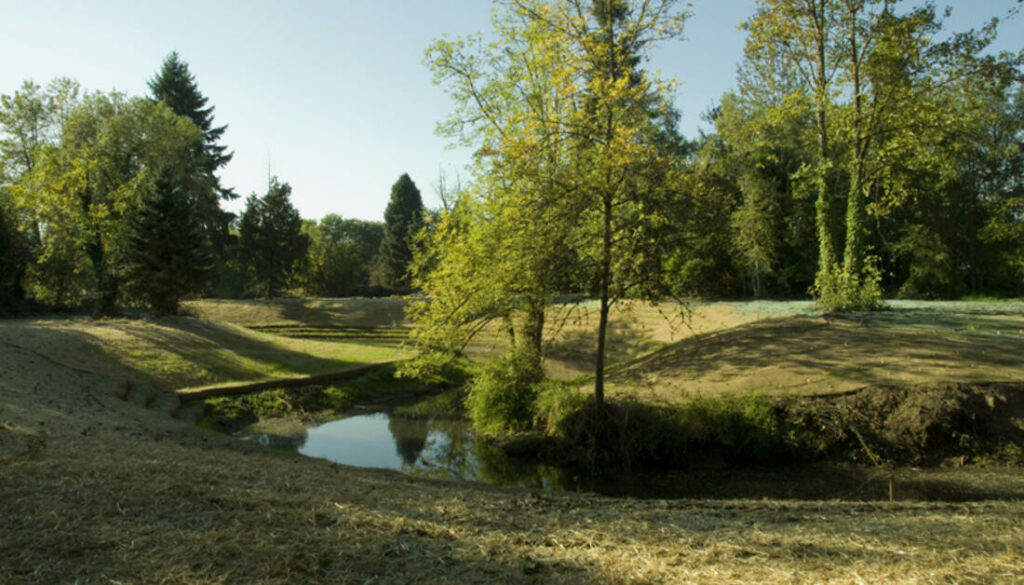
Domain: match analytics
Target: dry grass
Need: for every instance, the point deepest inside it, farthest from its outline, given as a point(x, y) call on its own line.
point(978, 342)
point(164, 507)
point(94, 489)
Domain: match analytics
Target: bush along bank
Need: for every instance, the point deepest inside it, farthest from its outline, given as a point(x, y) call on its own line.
point(877, 425)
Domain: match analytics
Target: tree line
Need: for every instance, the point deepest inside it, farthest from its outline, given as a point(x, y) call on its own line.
point(110, 202)
point(866, 152)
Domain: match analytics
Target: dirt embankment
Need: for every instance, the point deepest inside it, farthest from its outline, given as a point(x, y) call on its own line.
point(919, 423)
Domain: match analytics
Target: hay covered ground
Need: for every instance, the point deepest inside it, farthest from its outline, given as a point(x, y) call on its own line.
point(98, 487)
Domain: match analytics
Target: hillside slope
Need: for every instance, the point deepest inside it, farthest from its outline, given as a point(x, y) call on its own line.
point(94, 488)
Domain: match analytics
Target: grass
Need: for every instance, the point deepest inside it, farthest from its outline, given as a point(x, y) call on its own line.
point(94, 489)
point(184, 352)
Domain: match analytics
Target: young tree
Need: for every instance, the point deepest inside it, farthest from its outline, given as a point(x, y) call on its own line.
point(403, 217)
point(271, 237)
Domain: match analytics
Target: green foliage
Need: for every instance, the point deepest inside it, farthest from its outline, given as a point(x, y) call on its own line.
point(737, 429)
point(838, 290)
point(754, 236)
point(80, 193)
point(403, 218)
point(576, 160)
point(311, 402)
point(557, 401)
point(929, 273)
point(176, 86)
point(13, 259)
point(271, 238)
point(168, 256)
point(341, 256)
point(500, 398)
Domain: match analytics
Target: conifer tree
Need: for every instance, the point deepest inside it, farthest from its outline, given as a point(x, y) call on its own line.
point(403, 217)
point(176, 86)
point(271, 235)
point(169, 256)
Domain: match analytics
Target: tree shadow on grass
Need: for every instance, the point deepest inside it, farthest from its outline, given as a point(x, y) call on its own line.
point(348, 312)
point(573, 352)
point(870, 348)
point(170, 347)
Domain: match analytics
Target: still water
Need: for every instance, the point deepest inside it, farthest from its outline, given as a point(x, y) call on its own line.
point(435, 447)
point(446, 448)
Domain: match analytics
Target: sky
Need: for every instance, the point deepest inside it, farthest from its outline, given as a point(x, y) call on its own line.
point(332, 96)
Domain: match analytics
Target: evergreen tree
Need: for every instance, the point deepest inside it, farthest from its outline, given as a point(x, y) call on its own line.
point(176, 86)
point(271, 237)
point(402, 219)
point(169, 256)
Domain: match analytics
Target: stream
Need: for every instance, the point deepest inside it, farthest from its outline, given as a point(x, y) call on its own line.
point(445, 448)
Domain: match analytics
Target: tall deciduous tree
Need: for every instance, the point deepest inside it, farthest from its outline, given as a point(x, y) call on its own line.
point(30, 121)
point(562, 118)
point(341, 255)
point(403, 217)
point(271, 237)
point(872, 73)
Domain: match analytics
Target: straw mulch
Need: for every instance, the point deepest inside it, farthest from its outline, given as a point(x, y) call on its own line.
point(159, 510)
point(94, 489)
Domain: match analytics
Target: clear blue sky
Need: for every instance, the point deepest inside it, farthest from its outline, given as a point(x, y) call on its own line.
point(334, 94)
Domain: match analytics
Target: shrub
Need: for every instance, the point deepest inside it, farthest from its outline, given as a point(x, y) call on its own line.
point(838, 290)
point(500, 399)
point(749, 429)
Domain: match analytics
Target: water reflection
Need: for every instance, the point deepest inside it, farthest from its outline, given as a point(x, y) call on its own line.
point(432, 447)
point(446, 448)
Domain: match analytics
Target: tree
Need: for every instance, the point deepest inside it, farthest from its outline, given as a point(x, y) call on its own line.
point(30, 120)
point(12, 261)
point(81, 192)
point(403, 217)
point(176, 86)
point(169, 256)
point(571, 155)
point(341, 255)
point(271, 237)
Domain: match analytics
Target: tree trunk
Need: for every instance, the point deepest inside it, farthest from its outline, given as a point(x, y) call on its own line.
point(853, 255)
point(605, 284)
point(823, 204)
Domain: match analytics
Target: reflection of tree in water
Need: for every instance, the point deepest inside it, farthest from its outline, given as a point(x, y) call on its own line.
point(452, 452)
point(448, 453)
point(410, 436)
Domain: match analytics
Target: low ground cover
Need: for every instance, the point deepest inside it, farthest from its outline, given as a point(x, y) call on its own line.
point(94, 488)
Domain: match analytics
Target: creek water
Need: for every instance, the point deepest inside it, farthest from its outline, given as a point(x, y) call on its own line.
point(446, 448)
